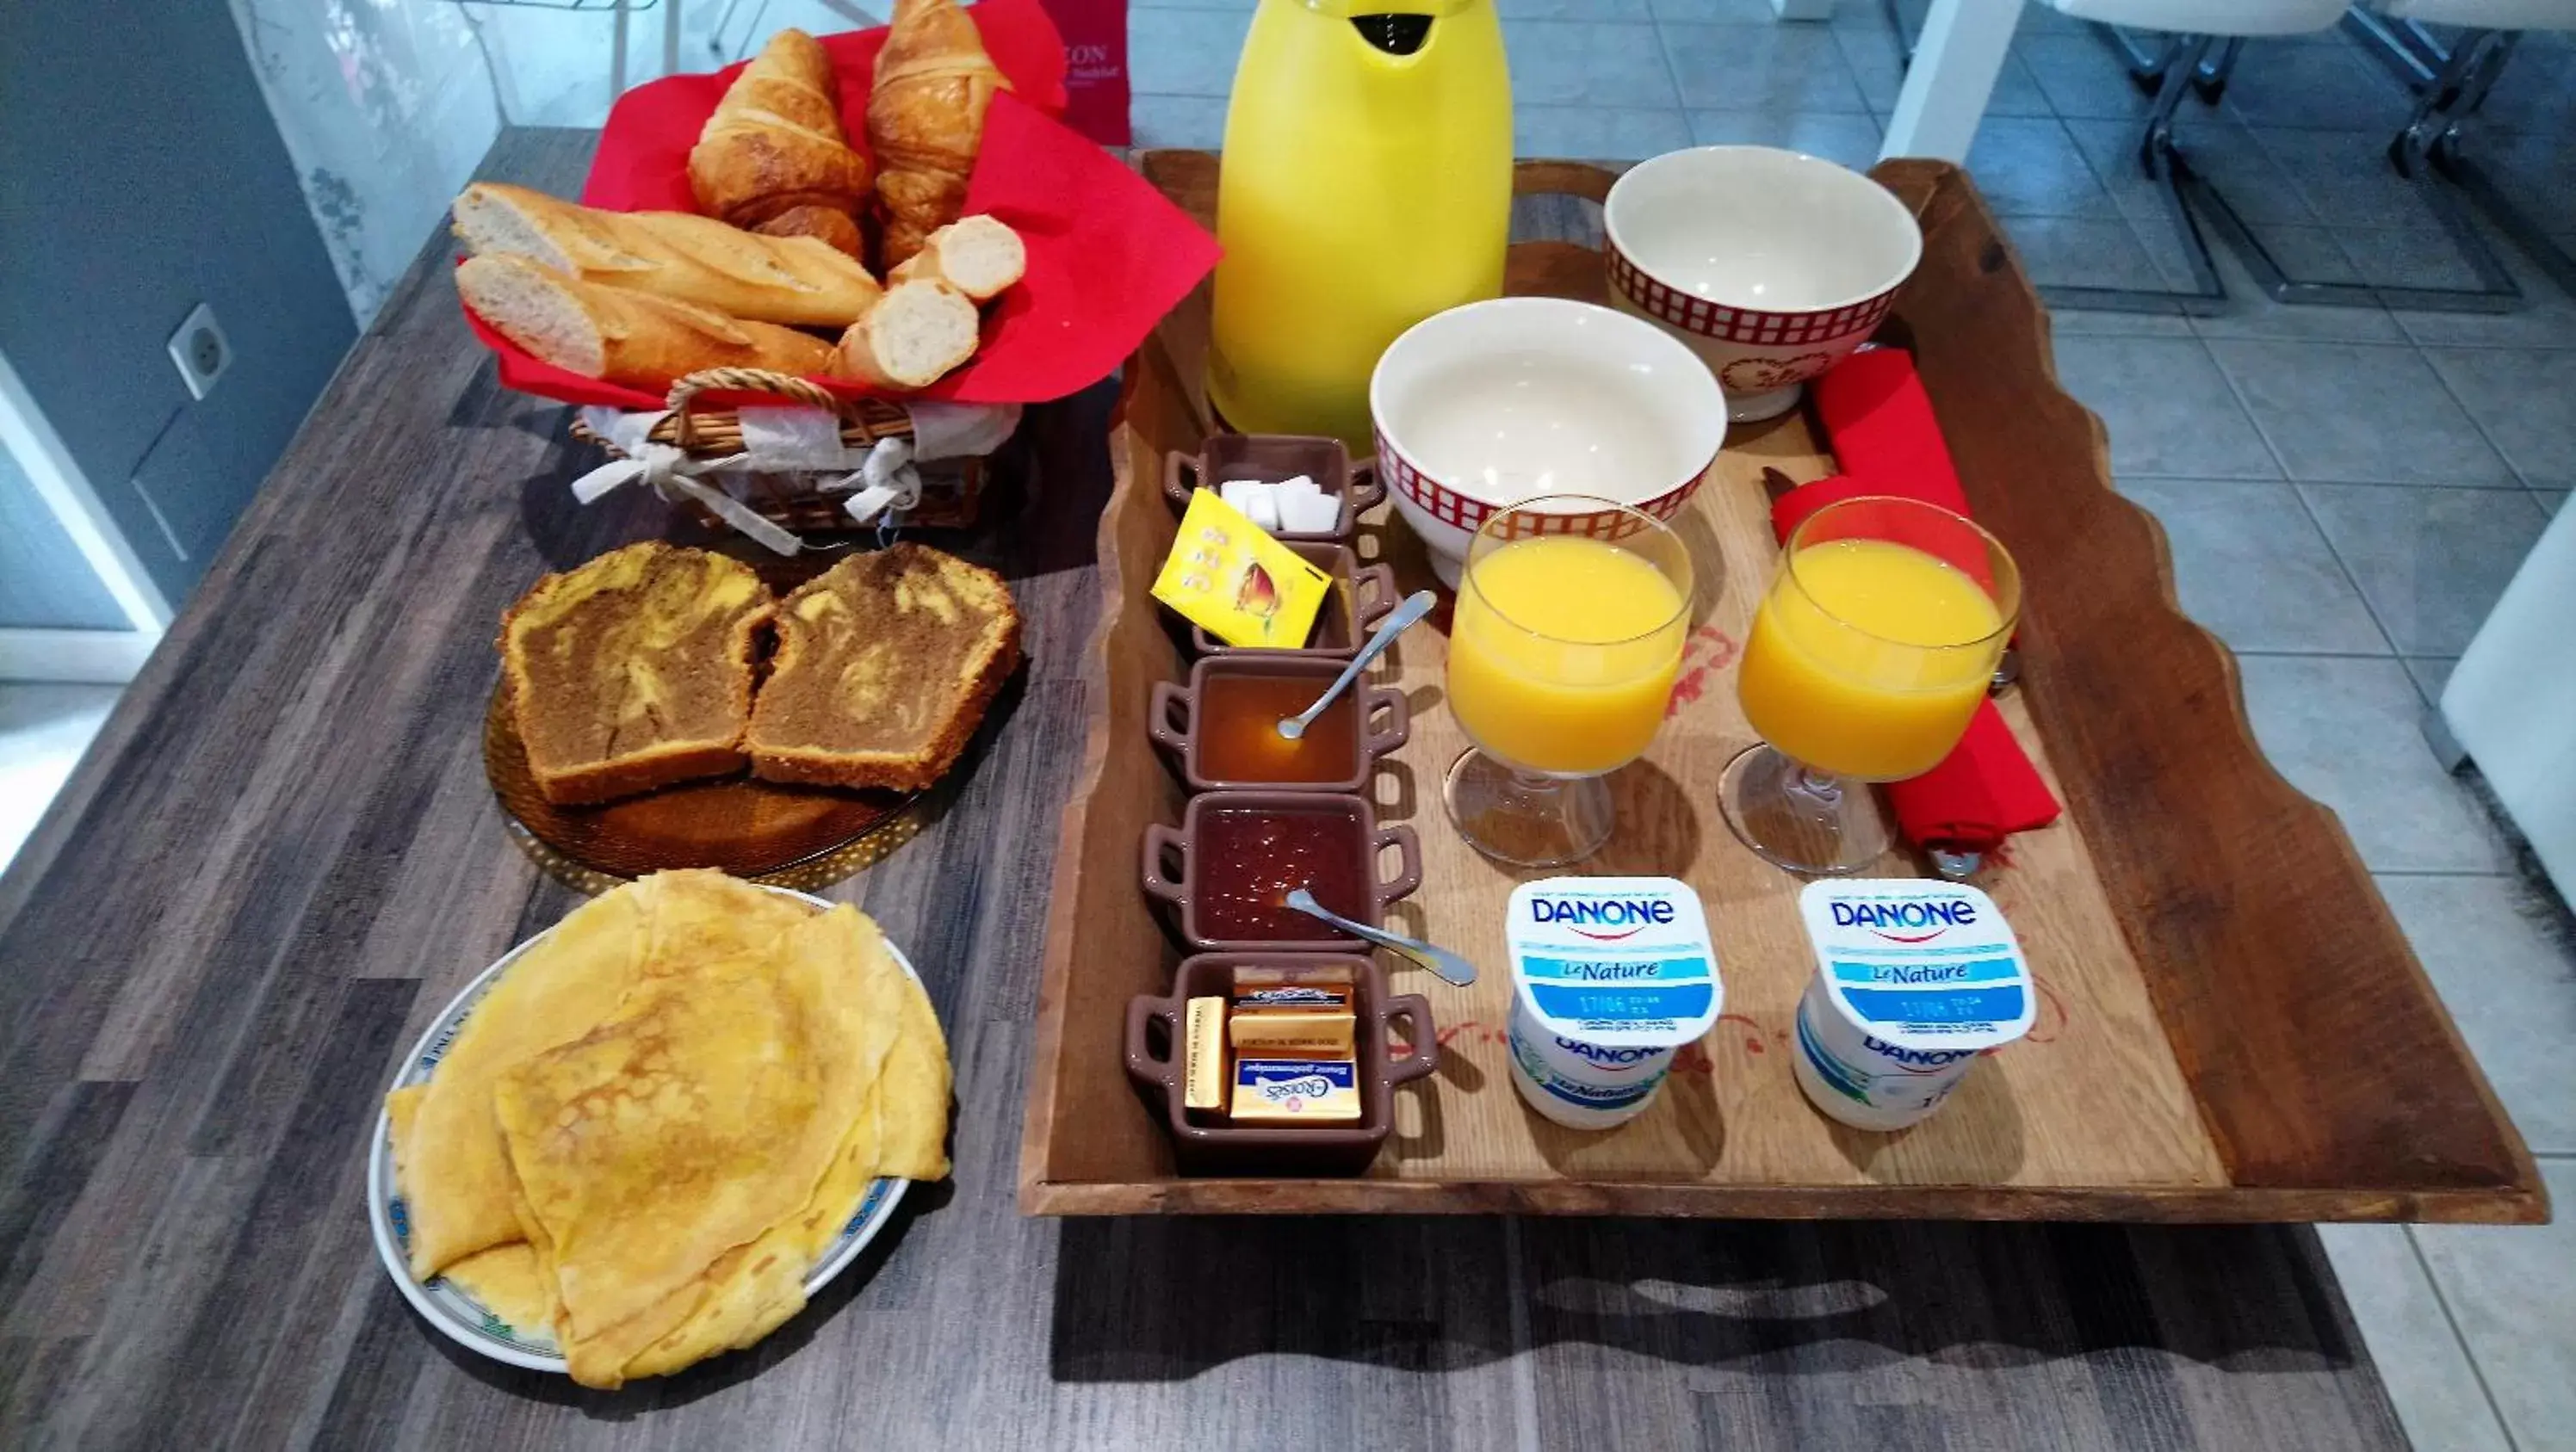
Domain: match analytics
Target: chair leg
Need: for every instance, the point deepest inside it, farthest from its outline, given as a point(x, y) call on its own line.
point(2450, 170)
point(2210, 77)
point(2427, 152)
point(2146, 68)
point(2405, 45)
point(2177, 71)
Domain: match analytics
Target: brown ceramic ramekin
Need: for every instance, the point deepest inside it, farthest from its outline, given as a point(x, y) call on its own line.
point(1374, 718)
point(1178, 872)
point(1273, 459)
point(1205, 1143)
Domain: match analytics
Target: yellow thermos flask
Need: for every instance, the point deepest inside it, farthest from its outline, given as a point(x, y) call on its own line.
point(1367, 184)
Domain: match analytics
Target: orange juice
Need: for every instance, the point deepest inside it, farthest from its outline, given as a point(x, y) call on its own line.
point(1867, 659)
point(1563, 653)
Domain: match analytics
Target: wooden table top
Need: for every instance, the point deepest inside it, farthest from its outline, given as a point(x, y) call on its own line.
point(281, 858)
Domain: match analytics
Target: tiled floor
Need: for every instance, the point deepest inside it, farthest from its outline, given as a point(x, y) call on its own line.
point(2345, 491)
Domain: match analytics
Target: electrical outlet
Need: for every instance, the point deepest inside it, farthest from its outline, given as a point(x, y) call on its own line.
point(201, 350)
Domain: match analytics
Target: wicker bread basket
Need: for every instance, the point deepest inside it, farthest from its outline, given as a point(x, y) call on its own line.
point(705, 430)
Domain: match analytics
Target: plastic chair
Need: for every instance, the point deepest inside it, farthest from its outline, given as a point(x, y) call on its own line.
point(2205, 37)
point(2451, 83)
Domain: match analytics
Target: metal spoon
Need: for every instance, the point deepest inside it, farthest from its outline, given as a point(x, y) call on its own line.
point(1415, 606)
point(1453, 970)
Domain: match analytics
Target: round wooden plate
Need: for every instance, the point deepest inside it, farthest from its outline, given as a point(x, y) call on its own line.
point(788, 836)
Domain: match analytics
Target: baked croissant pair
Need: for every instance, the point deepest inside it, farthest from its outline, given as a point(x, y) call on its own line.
point(774, 157)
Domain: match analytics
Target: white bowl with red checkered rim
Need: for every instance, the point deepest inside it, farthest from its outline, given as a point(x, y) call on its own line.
point(1769, 264)
point(1483, 406)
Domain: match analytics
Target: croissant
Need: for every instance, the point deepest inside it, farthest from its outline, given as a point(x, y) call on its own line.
point(926, 119)
point(775, 141)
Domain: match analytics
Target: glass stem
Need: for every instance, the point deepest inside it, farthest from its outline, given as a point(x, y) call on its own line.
point(1822, 785)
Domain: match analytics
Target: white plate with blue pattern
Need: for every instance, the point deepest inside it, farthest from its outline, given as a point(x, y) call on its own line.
point(443, 1303)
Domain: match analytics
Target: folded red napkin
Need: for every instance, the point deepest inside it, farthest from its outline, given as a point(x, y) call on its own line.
point(1108, 254)
point(1881, 425)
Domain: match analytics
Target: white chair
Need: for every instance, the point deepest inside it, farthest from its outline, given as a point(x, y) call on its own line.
point(2510, 704)
point(2204, 38)
point(2451, 83)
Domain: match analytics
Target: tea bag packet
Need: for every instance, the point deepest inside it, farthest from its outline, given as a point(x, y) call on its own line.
point(1227, 575)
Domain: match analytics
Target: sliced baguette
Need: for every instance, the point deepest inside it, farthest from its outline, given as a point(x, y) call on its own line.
point(623, 336)
point(978, 256)
point(914, 335)
point(690, 259)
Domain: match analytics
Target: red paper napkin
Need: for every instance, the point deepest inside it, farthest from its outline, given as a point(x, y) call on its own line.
point(1883, 429)
point(1108, 254)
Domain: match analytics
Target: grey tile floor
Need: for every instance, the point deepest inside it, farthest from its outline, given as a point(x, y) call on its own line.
point(2346, 492)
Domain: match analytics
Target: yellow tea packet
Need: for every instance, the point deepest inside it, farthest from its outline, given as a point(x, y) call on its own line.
point(1227, 574)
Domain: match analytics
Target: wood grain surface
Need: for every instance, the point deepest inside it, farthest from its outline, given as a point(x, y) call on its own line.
point(2093, 1115)
point(281, 857)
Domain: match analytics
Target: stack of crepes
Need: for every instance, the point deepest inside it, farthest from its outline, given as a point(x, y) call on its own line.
point(651, 1128)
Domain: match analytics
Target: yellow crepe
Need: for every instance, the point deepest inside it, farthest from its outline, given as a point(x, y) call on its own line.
point(899, 1132)
point(448, 1156)
point(691, 1123)
point(507, 1282)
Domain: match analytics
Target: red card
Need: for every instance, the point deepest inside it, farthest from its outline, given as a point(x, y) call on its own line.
point(1095, 77)
point(1108, 254)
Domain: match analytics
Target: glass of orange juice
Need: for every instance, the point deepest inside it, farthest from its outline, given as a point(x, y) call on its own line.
point(1867, 659)
point(1562, 655)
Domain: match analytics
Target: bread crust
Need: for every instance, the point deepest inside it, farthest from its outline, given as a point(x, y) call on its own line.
point(917, 770)
point(663, 763)
point(781, 278)
point(643, 341)
point(925, 120)
point(776, 142)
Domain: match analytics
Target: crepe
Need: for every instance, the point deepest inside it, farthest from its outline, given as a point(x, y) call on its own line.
point(448, 1155)
point(507, 1282)
point(690, 1125)
point(684, 1093)
point(900, 1132)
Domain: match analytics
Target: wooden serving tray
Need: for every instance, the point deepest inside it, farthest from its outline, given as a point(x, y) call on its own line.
point(2232, 1026)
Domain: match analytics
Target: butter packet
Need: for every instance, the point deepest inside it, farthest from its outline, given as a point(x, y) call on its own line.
point(1227, 574)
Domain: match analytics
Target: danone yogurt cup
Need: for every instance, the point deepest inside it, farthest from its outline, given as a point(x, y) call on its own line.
point(1609, 976)
point(1914, 980)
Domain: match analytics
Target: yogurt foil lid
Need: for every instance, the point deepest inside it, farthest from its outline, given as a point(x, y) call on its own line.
point(1919, 964)
point(1614, 960)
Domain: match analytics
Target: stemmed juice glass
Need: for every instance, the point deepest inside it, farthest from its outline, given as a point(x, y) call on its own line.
point(1562, 655)
point(1866, 661)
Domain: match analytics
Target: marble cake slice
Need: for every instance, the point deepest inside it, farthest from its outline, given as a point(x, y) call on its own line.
point(885, 665)
point(634, 671)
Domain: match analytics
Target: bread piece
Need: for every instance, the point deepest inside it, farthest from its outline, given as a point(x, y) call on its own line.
point(978, 256)
point(621, 335)
point(885, 665)
point(672, 255)
point(634, 671)
point(911, 339)
point(836, 230)
point(926, 120)
point(775, 141)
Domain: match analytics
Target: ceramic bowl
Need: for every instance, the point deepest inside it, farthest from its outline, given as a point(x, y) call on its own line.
point(1769, 264)
point(1483, 406)
point(1272, 458)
